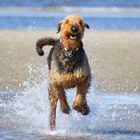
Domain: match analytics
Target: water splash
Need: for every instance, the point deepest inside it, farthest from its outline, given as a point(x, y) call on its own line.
point(28, 111)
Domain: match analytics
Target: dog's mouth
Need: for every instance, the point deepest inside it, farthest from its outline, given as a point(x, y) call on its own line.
point(73, 37)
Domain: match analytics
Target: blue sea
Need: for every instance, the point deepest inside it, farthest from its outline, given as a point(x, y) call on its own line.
point(99, 14)
point(71, 3)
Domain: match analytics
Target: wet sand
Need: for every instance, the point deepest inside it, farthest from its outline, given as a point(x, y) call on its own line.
point(114, 58)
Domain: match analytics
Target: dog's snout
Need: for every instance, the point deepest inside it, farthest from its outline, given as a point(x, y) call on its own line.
point(74, 29)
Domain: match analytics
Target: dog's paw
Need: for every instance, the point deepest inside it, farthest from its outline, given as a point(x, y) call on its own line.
point(65, 109)
point(83, 109)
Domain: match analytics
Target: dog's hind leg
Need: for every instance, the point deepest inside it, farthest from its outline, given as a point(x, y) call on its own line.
point(53, 97)
point(55, 93)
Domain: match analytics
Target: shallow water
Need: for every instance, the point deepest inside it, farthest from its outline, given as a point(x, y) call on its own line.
point(24, 115)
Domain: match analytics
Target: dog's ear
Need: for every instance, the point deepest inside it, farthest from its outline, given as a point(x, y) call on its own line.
point(86, 25)
point(59, 27)
point(67, 21)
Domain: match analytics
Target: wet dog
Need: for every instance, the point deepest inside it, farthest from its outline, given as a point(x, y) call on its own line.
point(68, 66)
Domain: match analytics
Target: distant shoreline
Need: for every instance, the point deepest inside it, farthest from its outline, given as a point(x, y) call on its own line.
point(43, 18)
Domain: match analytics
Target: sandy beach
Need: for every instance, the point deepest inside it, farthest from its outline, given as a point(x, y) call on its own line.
point(114, 59)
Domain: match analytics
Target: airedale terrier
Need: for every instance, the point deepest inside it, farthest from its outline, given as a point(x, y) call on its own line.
point(68, 66)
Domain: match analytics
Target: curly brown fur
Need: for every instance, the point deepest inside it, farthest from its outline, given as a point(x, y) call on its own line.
point(68, 67)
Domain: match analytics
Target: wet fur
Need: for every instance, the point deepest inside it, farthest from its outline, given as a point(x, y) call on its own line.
point(67, 68)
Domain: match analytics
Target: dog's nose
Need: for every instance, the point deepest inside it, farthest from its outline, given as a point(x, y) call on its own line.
point(74, 29)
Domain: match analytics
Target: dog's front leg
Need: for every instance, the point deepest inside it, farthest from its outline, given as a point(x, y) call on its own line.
point(80, 103)
point(53, 116)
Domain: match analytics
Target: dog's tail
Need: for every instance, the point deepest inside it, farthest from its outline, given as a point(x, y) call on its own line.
point(42, 42)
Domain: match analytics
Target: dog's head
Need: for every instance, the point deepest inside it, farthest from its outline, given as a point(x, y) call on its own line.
point(72, 28)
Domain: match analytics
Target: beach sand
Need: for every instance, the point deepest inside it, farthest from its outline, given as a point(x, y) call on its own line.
point(114, 58)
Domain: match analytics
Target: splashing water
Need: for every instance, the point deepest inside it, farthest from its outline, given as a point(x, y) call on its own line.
point(28, 111)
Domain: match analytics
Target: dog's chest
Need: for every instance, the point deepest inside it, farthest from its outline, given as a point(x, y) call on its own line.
point(68, 63)
point(67, 71)
point(67, 80)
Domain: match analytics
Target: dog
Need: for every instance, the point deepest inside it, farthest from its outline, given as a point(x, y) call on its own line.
point(68, 67)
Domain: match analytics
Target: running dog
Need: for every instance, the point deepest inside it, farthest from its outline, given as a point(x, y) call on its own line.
point(68, 66)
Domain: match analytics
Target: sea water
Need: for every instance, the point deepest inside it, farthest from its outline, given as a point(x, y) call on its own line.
point(99, 14)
